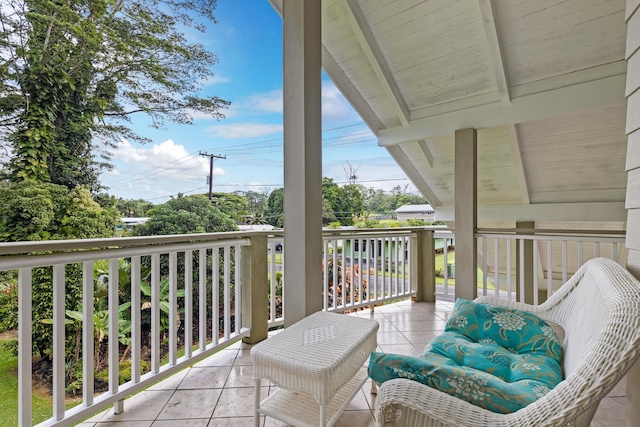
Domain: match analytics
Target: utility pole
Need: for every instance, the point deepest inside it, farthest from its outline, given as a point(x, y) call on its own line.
point(211, 157)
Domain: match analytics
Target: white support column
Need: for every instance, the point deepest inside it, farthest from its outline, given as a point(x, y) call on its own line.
point(466, 153)
point(302, 159)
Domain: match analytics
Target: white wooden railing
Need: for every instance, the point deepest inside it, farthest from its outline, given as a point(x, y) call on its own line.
point(516, 264)
point(216, 258)
point(365, 268)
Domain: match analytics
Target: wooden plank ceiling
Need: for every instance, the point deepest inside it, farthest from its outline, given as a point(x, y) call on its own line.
point(542, 81)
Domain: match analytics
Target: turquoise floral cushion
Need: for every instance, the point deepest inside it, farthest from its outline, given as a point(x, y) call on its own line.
point(493, 357)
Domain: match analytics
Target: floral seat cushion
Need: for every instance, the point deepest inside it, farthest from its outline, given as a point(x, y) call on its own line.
point(496, 358)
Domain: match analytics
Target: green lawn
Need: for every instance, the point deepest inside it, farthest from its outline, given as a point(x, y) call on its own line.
point(9, 391)
point(451, 259)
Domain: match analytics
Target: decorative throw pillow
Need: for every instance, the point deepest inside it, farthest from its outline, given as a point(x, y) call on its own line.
point(493, 357)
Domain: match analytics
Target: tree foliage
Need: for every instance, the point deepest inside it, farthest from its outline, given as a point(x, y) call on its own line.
point(186, 215)
point(31, 210)
point(131, 208)
point(74, 71)
point(275, 208)
point(386, 202)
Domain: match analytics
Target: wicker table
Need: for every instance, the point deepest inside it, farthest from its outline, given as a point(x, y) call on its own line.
point(318, 363)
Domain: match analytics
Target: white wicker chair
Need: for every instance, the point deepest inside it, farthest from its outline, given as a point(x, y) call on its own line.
point(599, 309)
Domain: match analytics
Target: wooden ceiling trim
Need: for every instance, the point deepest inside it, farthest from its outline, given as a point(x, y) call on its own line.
point(582, 96)
point(376, 59)
point(514, 141)
point(425, 150)
point(572, 212)
point(350, 92)
point(495, 46)
point(407, 166)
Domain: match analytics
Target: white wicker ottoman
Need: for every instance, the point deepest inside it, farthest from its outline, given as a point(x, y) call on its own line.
point(318, 365)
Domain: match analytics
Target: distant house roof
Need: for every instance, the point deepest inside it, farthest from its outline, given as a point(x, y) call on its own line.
point(415, 209)
point(130, 221)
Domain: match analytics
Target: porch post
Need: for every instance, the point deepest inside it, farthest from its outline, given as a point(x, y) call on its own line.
point(466, 218)
point(302, 49)
point(255, 288)
point(527, 266)
point(423, 278)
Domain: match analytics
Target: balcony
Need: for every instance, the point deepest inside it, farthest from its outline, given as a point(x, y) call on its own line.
point(206, 377)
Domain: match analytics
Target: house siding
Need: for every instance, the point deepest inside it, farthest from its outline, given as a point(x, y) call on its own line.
point(633, 181)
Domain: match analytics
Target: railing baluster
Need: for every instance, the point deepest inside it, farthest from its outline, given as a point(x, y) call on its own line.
point(536, 255)
point(376, 244)
point(614, 252)
point(237, 286)
point(485, 270)
point(227, 292)
point(173, 309)
point(564, 261)
point(360, 272)
point(597, 254)
point(114, 342)
point(325, 275)
point(202, 299)
point(215, 295)
point(188, 303)
point(24, 347)
point(445, 262)
point(155, 313)
point(136, 319)
point(59, 341)
point(521, 268)
point(336, 278)
point(509, 296)
point(352, 266)
point(549, 268)
point(272, 281)
point(496, 269)
point(87, 334)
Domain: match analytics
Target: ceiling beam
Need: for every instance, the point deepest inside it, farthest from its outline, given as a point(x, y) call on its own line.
point(493, 39)
point(572, 212)
point(350, 92)
point(405, 164)
point(378, 63)
point(425, 150)
point(514, 141)
point(593, 94)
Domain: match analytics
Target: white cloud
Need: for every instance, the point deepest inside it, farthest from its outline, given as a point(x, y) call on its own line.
point(244, 130)
point(215, 79)
point(150, 165)
point(270, 102)
point(334, 104)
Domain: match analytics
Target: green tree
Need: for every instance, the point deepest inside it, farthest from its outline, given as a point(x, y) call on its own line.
point(136, 208)
point(275, 208)
point(186, 215)
point(234, 205)
point(32, 210)
point(73, 72)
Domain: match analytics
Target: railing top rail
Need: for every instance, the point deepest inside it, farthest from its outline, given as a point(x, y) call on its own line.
point(25, 261)
point(367, 235)
point(7, 248)
point(558, 237)
point(562, 232)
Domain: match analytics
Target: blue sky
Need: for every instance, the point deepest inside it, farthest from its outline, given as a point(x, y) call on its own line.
point(248, 43)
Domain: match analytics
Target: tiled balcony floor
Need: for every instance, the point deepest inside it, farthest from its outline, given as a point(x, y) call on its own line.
point(218, 391)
